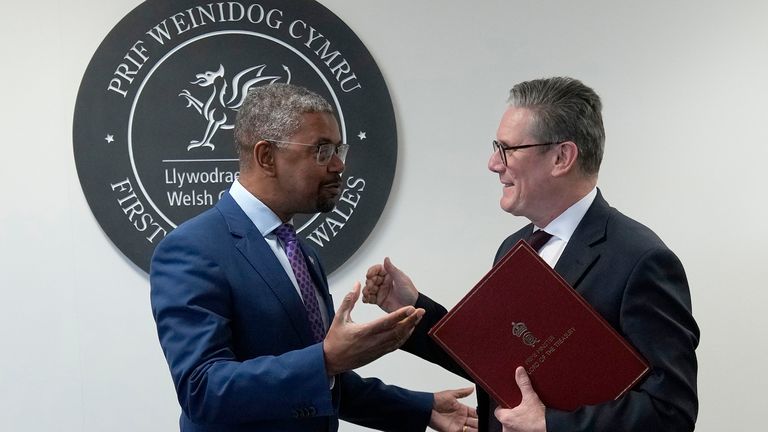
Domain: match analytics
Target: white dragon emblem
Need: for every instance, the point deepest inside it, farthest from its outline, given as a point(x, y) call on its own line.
point(220, 109)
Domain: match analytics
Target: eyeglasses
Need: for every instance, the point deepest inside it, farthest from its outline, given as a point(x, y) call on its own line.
point(503, 148)
point(324, 151)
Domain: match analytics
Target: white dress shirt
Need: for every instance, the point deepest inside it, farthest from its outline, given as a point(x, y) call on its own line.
point(562, 228)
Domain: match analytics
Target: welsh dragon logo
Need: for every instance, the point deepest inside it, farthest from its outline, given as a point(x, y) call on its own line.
point(225, 98)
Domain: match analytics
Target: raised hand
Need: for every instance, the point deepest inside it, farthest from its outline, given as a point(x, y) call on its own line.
point(529, 416)
point(450, 415)
point(349, 345)
point(388, 287)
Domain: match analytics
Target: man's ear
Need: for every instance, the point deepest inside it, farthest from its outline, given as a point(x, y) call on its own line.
point(264, 157)
point(565, 158)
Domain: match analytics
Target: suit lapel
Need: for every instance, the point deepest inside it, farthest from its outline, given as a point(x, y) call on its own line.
point(257, 252)
point(581, 252)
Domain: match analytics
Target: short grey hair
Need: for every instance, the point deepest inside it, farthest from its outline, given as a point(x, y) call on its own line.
point(564, 109)
point(273, 112)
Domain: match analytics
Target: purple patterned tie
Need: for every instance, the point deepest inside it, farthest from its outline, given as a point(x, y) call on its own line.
point(287, 235)
point(538, 239)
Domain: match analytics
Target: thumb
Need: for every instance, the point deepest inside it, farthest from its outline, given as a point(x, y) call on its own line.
point(390, 268)
point(524, 383)
point(344, 312)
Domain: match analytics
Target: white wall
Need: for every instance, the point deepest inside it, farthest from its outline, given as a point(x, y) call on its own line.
point(684, 88)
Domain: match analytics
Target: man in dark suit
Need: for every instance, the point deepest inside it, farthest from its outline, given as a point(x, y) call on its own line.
point(547, 154)
point(242, 307)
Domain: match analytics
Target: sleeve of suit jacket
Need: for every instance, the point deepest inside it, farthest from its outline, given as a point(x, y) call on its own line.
point(421, 345)
point(373, 404)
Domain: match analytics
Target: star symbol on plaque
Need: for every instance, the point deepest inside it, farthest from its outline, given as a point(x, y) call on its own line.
point(109, 138)
point(361, 135)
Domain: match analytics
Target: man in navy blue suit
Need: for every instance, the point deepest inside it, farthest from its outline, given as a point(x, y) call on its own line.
point(547, 154)
point(243, 310)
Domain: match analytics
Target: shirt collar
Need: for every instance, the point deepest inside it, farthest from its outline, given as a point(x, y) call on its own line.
point(261, 216)
point(564, 225)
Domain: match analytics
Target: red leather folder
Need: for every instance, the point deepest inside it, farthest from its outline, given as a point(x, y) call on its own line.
point(522, 313)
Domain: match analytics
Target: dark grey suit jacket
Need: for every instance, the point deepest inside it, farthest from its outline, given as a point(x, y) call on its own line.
point(639, 286)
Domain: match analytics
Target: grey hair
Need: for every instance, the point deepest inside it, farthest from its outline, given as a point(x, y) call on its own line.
point(564, 109)
point(273, 112)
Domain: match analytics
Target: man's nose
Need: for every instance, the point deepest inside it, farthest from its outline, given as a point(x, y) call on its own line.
point(495, 164)
point(336, 164)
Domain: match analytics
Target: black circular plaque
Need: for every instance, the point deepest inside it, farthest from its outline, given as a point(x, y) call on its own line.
point(153, 121)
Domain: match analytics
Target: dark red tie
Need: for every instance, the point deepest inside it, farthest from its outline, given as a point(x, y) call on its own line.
point(538, 239)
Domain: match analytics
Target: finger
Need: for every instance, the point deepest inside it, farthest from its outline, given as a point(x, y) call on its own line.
point(369, 292)
point(462, 392)
point(405, 327)
point(472, 421)
point(344, 313)
point(524, 382)
point(374, 280)
point(393, 319)
point(413, 319)
point(472, 417)
point(409, 317)
point(374, 270)
point(369, 298)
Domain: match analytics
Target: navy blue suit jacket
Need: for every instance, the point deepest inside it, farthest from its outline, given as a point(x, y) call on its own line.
point(639, 286)
point(236, 337)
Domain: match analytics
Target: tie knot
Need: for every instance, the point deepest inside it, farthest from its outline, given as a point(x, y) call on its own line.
point(286, 233)
point(538, 239)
